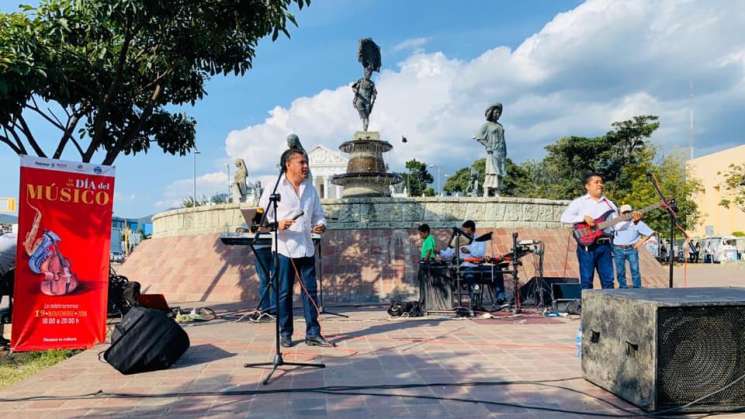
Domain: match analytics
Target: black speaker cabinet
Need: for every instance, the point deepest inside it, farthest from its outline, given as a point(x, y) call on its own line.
point(663, 348)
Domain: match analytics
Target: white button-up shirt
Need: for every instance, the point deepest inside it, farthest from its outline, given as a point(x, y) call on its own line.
point(585, 205)
point(296, 241)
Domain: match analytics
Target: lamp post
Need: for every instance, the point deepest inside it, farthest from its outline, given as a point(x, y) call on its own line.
point(194, 196)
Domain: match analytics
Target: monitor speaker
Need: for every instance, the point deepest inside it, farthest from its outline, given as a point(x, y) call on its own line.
point(665, 348)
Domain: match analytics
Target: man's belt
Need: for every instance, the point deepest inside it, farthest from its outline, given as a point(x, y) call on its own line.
point(624, 246)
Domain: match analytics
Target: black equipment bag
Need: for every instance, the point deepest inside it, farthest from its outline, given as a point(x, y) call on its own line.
point(123, 294)
point(406, 309)
point(146, 340)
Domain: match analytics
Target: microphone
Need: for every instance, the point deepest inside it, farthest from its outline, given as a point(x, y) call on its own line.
point(296, 214)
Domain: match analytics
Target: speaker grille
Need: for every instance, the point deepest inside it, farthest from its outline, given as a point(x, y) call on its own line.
point(700, 350)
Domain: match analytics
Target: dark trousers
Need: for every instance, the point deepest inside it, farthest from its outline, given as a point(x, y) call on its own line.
point(306, 270)
point(621, 255)
point(596, 257)
point(266, 294)
point(470, 277)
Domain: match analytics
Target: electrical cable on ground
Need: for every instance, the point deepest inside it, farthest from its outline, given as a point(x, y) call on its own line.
point(360, 390)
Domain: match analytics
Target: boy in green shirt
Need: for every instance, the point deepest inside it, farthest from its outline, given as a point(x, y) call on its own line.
point(428, 242)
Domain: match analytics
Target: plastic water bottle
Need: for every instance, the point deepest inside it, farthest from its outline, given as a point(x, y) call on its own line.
point(578, 342)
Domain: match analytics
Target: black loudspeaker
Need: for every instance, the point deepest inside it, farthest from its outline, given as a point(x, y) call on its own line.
point(435, 287)
point(566, 297)
point(664, 348)
point(146, 340)
point(530, 293)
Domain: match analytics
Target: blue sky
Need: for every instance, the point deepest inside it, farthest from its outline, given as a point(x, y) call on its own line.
point(560, 68)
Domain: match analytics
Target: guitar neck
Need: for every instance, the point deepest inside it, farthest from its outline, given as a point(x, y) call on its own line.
point(627, 217)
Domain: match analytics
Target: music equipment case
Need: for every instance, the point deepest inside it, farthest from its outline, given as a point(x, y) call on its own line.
point(664, 348)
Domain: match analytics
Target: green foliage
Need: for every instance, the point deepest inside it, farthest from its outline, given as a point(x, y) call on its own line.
point(190, 202)
point(117, 68)
point(460, 181)
point(734, 186)
point(417, 178)
point(570, 158)
point(738, 233)
point(675, 182)
point(220, 198)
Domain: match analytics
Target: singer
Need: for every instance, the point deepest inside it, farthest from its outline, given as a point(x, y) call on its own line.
point(295, 246)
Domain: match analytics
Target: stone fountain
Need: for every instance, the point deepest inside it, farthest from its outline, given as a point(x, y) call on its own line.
point(366, 172)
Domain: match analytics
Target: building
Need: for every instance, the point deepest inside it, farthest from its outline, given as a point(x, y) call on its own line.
point(715, 219)
point(139, 229)
point(325, 163)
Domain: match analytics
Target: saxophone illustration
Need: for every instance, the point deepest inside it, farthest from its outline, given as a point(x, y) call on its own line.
point(45, 258)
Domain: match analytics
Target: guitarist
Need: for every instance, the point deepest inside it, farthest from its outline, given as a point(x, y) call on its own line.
point(598, 255)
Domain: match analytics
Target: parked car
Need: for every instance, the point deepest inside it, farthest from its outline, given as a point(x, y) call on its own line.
point(719, 249)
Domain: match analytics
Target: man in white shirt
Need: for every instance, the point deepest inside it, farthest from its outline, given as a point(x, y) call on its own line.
point(599, 255)
point(295, 245)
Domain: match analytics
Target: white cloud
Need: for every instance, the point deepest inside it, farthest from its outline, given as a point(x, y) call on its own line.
point(207, 185)
point(602, 62)
point(414, 44)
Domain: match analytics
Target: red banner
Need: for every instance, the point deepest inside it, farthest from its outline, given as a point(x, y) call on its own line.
point(62, 270)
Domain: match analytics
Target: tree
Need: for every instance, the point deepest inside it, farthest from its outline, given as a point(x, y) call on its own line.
point(417, 178)
point(190, 202)
point(570, 158)
point(458, 182)
point(675, 182)
point(461, 180)
point(220, 198)
point(108, 73)
point(734, 186)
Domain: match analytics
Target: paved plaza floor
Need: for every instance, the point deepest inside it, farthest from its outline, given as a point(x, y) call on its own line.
point(507, 366)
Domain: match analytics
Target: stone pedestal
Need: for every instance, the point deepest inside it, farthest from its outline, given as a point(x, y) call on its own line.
point(366, 173)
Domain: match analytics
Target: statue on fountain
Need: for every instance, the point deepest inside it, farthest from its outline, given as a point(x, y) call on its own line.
point(491, 136)
point(239, 188)
point(368, 55)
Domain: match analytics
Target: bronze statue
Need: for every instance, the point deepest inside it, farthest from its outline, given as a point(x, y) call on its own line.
point(364, 89)
point(491, 135)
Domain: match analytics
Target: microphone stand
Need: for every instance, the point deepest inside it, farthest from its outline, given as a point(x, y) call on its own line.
point(278, 360)
point(671, 210)
point(321, 307)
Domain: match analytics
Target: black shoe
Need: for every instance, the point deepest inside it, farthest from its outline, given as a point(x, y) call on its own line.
point(285, 341)
point(317, 341)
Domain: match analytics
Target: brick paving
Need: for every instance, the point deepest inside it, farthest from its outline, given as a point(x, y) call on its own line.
point(372, 349)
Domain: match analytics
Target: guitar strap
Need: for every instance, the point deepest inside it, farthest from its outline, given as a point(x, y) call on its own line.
point(611, 207)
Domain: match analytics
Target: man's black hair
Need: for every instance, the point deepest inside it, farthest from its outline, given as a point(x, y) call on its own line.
point(469, 224)
point(424, 228)
point(589, 176)
point(289, 153)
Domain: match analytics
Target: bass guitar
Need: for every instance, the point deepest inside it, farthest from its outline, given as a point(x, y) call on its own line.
point(587, 235)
